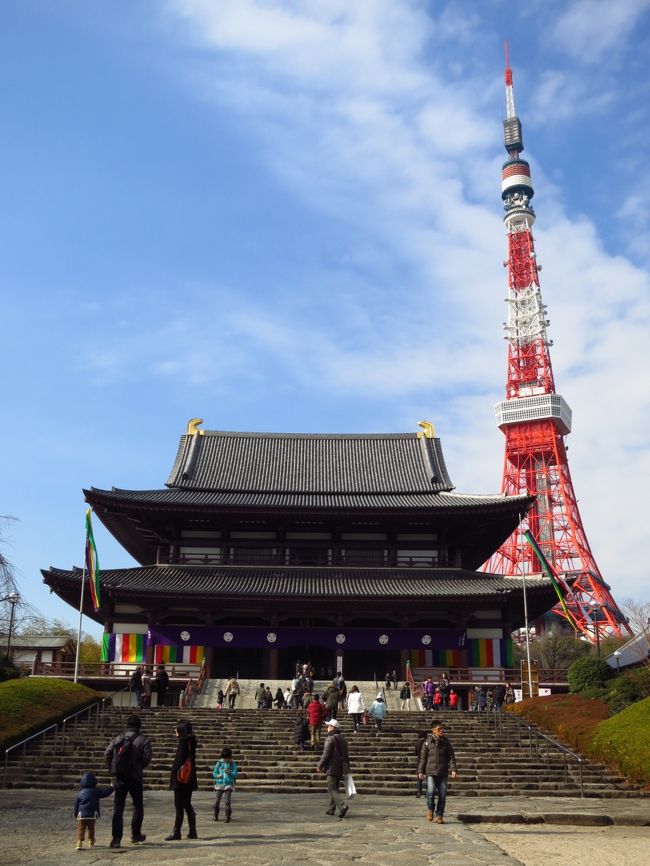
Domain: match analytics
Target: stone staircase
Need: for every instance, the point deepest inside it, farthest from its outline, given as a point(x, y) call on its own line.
point(246, 699)
point(491, 763)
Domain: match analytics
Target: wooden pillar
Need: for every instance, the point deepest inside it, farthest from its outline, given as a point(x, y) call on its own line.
point(403, 658)
point(151, 621)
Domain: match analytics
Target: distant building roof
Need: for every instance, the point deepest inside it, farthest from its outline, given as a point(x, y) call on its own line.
point(33, 641)
point(635, 651)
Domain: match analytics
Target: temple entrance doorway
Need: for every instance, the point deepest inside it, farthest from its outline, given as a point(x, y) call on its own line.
point(323, 661)
point(366, 665)
point(246, 663)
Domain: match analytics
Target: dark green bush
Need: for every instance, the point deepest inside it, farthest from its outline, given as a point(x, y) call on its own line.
point(627, 689)
point(588, 673)
point(594, 693)
point(8, 671)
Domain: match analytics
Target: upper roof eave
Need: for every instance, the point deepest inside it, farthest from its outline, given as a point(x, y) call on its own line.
point(170, 499)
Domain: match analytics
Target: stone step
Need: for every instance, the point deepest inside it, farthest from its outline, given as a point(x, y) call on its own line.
point(491, 764)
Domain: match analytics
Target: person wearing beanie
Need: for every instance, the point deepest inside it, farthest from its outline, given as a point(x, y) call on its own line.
point(86, 808)
point(126, 757)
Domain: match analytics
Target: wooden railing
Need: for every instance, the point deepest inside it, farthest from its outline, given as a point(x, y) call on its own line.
point(488, 676)
point(107, 669)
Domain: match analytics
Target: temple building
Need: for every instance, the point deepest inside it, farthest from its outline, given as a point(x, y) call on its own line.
point(352, 551)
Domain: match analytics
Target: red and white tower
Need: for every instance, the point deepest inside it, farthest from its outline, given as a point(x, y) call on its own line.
point(535, 419)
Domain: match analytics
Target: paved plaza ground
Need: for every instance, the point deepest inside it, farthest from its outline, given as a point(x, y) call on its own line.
point(38, 828)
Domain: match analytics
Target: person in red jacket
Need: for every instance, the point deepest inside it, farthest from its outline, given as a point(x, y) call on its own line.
point(437, 699)
point(453, 700)
point(316, 714)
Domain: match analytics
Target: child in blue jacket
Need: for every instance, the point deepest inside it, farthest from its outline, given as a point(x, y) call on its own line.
point(224, 775)
point(86, 808)
point(378, 711)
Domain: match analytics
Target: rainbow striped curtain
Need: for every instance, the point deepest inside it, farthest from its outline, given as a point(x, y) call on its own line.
point(127, 648)
point(186, 655)
point(477, 653)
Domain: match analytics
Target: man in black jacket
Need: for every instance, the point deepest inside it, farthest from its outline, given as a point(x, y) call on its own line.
point(162, 684)
point(336, 763)
point(126, 757)
point(436, 759)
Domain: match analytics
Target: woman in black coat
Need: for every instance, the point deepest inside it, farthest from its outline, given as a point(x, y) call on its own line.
point(186, 750)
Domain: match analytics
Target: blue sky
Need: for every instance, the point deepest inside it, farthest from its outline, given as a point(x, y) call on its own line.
point(286, 216)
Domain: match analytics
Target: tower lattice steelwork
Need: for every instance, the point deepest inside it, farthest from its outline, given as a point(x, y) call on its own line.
point(535, 419)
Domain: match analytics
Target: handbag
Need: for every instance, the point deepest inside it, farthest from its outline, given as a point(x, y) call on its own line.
point(350, 788)
point(184, 773)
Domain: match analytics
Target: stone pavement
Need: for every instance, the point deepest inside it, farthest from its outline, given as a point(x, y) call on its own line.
point(38, 828)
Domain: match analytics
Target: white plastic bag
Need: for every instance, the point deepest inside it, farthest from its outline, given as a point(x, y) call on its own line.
point(350, 789)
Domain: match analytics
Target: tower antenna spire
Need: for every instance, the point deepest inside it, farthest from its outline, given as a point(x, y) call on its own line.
point(511, 125)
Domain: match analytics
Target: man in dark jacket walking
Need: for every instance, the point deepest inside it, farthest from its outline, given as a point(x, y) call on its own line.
point(336, 763)
point(126, 757)
point(436, 759)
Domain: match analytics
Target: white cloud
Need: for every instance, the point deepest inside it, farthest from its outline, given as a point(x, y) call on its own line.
point(355, 121)
point(588, 30)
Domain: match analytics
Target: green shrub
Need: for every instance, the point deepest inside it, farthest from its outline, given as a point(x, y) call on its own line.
point(627, 689)
point(588, 673)
point(8, 671)
point(640, 678)
point(595, 693)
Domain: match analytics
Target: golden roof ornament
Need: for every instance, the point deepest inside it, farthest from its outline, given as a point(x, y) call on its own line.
point(193, 427)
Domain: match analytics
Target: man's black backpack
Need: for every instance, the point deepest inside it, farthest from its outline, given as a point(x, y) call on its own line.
point(122, 760)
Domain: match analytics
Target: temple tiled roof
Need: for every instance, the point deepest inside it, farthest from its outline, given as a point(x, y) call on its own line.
point(262, 499)
point(314, 582)
point(284, 463)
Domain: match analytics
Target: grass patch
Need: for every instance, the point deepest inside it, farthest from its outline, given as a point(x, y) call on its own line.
point(624, 742)
point(27, 705)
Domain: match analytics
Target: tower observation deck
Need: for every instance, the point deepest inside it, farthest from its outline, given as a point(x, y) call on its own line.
point(535, 419)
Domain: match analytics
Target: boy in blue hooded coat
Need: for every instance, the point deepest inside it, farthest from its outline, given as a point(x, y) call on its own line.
point(86, 808)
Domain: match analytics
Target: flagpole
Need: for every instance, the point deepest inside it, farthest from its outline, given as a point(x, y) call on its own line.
point(81, 613)
point(530, 673)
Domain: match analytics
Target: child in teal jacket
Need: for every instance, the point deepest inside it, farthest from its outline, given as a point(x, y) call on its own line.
point(224, 775)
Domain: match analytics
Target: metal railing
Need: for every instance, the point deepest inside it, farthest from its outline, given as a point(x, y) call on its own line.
point(503, 722)
point(58, 730)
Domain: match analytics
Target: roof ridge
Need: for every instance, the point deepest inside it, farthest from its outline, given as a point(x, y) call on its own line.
point(237, 434)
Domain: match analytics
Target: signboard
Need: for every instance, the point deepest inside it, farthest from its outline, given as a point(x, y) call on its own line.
point(529, 678)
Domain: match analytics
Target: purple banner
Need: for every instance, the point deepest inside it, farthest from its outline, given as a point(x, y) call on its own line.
point(332, 638)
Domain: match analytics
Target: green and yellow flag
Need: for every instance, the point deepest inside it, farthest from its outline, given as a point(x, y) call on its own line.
point(92, 562)
point(552, 576)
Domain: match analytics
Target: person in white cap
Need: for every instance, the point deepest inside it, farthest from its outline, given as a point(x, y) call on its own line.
point(378, 711)
point(335, 761)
